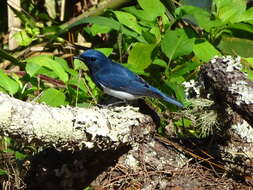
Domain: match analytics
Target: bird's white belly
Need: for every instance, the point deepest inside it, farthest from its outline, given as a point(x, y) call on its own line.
point(119, 94)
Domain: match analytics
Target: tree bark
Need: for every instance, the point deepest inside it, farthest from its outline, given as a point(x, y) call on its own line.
point(68, 128)
point(229, 85)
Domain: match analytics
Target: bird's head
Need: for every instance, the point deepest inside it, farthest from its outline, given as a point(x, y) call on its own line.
point(93, 59)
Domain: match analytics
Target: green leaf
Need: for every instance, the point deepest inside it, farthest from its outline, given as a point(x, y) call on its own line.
point(19, 155)
point(98, 29)
point(183, 69)
point(204, 4)
point(136, 69)
point(236, 46)
point(228, 10)
point(149, 37)
point(50, 62)
point(22, 38)
point(128, 20)
point(177, 43)
point(205, 50)
point(99, 20)
point(106, 51)
point(140, 55)
point(242, 26)
point(8, 84)
point(32, 68)
point(245, 17)
point(249, 69)
point(52, 97)
point(140, 14)
point(160, 62)
point(174, 84)
point(3, 172)
point(198, 16)
point(154, 7)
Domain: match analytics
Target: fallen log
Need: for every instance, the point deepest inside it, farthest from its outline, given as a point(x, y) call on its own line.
point(69, 128)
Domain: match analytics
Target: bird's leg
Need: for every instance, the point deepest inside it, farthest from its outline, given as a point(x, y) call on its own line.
point(116, 103)
point(112, 104)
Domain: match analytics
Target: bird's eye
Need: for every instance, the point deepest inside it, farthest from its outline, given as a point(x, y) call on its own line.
point(92, 59)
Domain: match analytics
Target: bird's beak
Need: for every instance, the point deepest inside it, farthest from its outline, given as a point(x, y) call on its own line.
point(76, 57)
point(80, 58)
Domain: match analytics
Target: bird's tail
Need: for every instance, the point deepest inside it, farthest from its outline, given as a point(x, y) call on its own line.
point(159, 94)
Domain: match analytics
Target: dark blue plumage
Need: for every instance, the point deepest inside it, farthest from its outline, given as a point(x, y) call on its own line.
point(119, 81)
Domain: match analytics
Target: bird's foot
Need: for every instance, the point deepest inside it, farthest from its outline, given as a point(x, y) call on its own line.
point(112, 104)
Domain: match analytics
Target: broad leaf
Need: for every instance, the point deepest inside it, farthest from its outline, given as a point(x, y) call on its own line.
point(236, 46)
point(183, 69)
point(228, 10)
point(177, 43)
point(128, 20)
point(198, 17)
point(49, 62)
point(8, 84)
point(140, 55)
point(153, 7)
point(205, 51)
point(52, 97)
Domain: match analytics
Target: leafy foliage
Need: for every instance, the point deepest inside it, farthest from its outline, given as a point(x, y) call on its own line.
point(163, 43)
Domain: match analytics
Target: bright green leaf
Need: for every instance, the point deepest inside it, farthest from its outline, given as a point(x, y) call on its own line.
point(205, 51)
point(98, 29)
point(153, 7)
point(242, 26)
point(32, 68)
point(128, 20)
point(50, 62)
point(22, 38)
point(106, 51)
point(8, 84)
point(177, 43)
point(160, 62)
point(140, 55)
point(20, 156)
point(52, 97)
point(228, 10)
point(245, 16)
point(140, 14)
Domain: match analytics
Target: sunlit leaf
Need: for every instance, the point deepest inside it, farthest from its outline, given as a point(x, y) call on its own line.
point(52, 97)
point(8, 83)
point(140, 55)
point(153, 7)
point(177, 43)
point(49, 62)
point(22, 38)
point(228, 10)
point(128, 20)
point(205, 50)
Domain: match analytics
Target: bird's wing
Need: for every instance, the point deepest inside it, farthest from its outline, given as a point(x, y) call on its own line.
point(117, 77)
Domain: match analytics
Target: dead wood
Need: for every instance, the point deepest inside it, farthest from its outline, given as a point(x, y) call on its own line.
point(69, 128)
point(229, 85)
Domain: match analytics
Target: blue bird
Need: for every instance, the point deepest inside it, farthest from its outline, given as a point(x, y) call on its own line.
point(118, 81)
